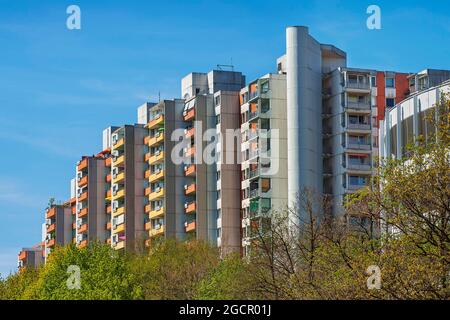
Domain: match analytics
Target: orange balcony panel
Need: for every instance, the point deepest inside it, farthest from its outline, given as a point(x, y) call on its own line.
point(190, 226)
point(108, 177)
point(83, 196)
point(190, 207)
point(51, 243)
point(51, 228)
point(189, 170)
point(108, 226)
point(157, 121)
point(147, 243)
point(147, 174)
point(22, 255)
point(147, 226)
point(108, 241)
point(190, 189)
point(83, 244)
point(74, 210)
point(83, 212)
point(108, 162)
point(74, 226)
point(190, 132)
point(83, 228)
point(189, 115)
point(146, 140)
point(147, 157)
point(108, 193)
point(83, 164)
point(83, 181)
point(148, 208)
point(108, 209)
point(51, 213)
point(190, 152)
point(148, 191)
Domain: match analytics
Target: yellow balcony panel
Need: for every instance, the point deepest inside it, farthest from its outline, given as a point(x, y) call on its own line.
point(157, 157)
point(156, 194)
point(119, 228)
point(119, 211)
point(83, 244)
point(120, 245)
point(120, 177)
point(119, 161)
point(119, 194)
point(156, 176)
point(157, 213)
point(157, 139)
point(119, 143)
point(156, 232)
point(158, 121)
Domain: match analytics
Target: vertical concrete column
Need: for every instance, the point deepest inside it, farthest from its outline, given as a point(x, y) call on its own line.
point(304, 112)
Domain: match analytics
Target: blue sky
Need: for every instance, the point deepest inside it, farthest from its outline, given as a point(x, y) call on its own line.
point(59, 88)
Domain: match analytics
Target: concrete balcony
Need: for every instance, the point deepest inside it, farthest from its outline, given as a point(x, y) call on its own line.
point(190, 170)
point(82, 165)
point(50, 213)
point(83, 228)
point(158, 121)
point(119, 178)
point(189, 115)
point(357, 86)
point(51, 228)
point(119, 228)
point(119, 161)
point(360, 167)
point(190, 207)
point(156, 194)
point(83, 213)
point(359, 146)
point(359, 126)
point(190, 189)
point(190, 226)
point(119, 143)
point(364, 106)
point(119, 211)
point(190, 132)
point(157, 175)
point(158, 231)
point(157, 213)
point(83, 181)
point(157, 157)
point(157, 139)
point(83, 196)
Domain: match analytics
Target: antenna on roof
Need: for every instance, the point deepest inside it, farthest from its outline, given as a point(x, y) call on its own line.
point(159, 96)
point(230, 66)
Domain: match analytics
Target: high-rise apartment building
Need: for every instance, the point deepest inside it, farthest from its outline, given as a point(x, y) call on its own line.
point(31, 257)
point(58, 227)
point(128, 187)
point(91, 209)
point(264, 176)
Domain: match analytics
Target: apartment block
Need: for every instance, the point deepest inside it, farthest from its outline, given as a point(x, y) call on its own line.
point(165, 193)
point(264, 175)
point(31, 257)
point(58, 227)
point(200, 114)
point(128, 186)
point(227, 111)
point(91, 184)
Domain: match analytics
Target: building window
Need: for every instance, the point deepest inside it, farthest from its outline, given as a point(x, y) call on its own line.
point(373, 81)
point(390, 102)
point(217, 100)
point(390, 83)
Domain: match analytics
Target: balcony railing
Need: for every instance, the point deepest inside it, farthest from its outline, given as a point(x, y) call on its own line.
point(359, 146)
point(358, 105)
point(359, 167)
point(357, 85)
point(358, 126)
